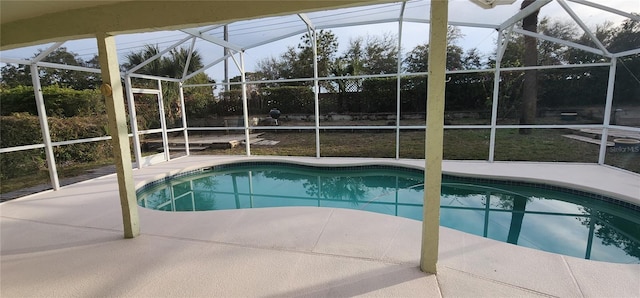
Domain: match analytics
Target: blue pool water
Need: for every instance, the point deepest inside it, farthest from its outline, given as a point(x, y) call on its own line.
point(554, 220)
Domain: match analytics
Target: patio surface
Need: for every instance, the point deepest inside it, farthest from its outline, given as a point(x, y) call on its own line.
point(69, 243)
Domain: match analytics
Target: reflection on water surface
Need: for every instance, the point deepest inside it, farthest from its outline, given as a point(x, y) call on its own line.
point(543, 219)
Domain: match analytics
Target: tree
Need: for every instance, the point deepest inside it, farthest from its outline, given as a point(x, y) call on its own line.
point(172, 65)
point(530, 86)
point(381, 54)
point(270, 68)
point(370, 55)
point(297, 62)
point(626, 37)
point(552, 53)
point(417, 58)
point(473, 59)
point(13, 76)
point(327, 47)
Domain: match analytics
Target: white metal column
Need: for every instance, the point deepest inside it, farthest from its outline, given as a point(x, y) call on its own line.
point(44, 127)
point(133, 121)
point(245, 105)
point(399, 79)
point(503, 38)
point(183, 111)
point(163, 123)
point(316, 89)
point(607, 110)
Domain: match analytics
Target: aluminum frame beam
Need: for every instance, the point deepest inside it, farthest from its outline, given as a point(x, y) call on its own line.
point(562, 41)
point(607, 111)
point(44, 127)
point(213, 39)
point(607, 8)
point(158, 55)
point(584, 27)
point(523, 13)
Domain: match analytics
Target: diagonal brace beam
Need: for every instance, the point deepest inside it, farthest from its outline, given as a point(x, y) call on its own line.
point(213, 39)
point(523, 13)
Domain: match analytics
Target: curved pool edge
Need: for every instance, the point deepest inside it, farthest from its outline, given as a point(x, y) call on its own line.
point(79, 229)
point(376, 237)
point(613, 183)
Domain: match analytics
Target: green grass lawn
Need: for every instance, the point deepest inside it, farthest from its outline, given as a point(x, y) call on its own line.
point(545, 145)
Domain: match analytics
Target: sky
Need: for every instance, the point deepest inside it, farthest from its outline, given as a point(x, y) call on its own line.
point(413, 33)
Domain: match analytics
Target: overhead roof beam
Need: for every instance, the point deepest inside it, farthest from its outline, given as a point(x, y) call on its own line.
point(68, 67)
point(307, 21)
point(46, 52)
point(212, 28)
point(186, 64)
point(454, 23)
point(523, 13)
point(561, 41)
point(191, 75)
point(15, 61)
point(627, 53)
point(213, 39)
point(584, 27)
point(390, 20)
point(277, 38)
point(609, 9)
point(158, 55)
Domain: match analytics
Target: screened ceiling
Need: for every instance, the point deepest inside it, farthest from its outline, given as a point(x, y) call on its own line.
point(249, 34)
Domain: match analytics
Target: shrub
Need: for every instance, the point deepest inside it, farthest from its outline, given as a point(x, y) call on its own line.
point(24, 129)
point(59, 102)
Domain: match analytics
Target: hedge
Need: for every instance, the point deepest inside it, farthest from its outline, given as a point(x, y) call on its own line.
point(59, 102)
point(24, 129)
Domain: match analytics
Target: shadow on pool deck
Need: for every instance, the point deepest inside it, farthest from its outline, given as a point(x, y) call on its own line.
point(90, 174)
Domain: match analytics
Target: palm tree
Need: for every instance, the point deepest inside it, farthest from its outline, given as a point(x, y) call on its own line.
point(172, 65)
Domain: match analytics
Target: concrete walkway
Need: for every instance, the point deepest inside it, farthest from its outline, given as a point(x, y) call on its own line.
point(69, 243)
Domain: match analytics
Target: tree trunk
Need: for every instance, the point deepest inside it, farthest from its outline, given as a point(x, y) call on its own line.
point(530, 87)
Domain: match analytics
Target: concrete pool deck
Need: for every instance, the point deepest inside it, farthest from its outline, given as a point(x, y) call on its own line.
point(69, 243)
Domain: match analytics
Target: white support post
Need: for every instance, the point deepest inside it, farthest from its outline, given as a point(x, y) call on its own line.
point(434, 135)
point(225, 52)
point(163, 123)
point(114, 101)
point(502, 45)
point(607, 111)
point(399, 79)
point(44, 127)
point(316, 88)
point(245, 105)
point(133, 121)
point(183, 111)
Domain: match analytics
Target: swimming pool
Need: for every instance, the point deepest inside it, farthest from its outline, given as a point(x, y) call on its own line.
point(547, 218)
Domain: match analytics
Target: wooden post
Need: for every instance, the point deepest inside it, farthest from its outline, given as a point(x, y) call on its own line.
point(114, 99)
point(434, 134)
